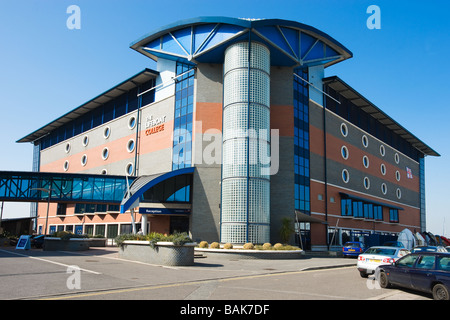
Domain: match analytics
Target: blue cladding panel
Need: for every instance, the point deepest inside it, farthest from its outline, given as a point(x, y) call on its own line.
point(201, 33)
point(223, 33)
point(274, 35)
point(184, 37)
point(329, 52)
point(292, 37)
point(317, 52)
point(170, 45)
point(155, 44)
point(307, 43)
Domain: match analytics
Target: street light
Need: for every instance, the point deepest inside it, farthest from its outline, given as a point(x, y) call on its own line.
point(48, 204)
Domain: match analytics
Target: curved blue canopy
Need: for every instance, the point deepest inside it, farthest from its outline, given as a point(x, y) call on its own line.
point(204, 40)
point(143, 183)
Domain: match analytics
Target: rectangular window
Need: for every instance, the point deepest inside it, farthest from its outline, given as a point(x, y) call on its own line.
point(346, 207)
point(184, 100)
point(393, 215)
point(301, 142)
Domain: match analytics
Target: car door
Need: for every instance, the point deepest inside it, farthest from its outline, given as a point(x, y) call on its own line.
point(400, 273)
point(422, 274)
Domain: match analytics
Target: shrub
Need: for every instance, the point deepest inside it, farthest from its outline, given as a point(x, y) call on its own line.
point(277, 246)
point(203, 244)
point(267, 246)
point(248, 246)
point(215, 245)
point(177, 238)
point(228, 246)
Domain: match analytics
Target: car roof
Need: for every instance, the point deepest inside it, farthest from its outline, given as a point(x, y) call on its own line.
point(386, 247)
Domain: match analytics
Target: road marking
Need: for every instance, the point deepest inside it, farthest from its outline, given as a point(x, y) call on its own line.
point(49, 261)
point(199, 282)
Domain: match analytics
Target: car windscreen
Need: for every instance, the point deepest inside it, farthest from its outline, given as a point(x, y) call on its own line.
point(352, 244)
point(381, 251)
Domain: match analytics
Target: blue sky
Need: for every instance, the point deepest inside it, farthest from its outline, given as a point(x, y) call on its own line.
point(47, 70)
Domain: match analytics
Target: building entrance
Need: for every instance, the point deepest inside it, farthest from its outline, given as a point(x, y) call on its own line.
point(179, 224)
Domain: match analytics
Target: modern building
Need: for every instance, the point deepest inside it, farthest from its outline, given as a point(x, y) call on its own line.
point(237, 129)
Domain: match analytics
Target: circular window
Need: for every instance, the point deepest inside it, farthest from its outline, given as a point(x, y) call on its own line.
point(132, 122)
point(366, 183)
point(83, 160)
point(106, 132)
point(366, 161)
point(344, 129)
point(383, 188)
point(399, 193)
point(397, 175)
point(85, 140)
point(365, 141)
point(66, 165)
point(130, 145)
point(67, 148)
point(104, 171)
point(383, 169)
point(344, 152)
point(345, 176)
point(129, 169)
point(382, 150)
point(397, 158)
point(105, 153)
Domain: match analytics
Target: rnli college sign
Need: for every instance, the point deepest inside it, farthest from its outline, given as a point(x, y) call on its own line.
point(154, 125)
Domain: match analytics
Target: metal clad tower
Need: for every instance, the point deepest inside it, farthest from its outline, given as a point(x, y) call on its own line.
point(246, 144)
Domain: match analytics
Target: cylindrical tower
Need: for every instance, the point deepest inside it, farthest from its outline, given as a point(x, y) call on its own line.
point(245, 205)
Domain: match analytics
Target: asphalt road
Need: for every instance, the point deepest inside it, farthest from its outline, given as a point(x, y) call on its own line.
point(98, 274)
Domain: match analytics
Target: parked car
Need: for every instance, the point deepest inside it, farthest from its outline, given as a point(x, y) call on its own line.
point(393, 244)
point(352, 249)
point(37, 241)
point(423, 271)
point(429, 249)
point(376, 256)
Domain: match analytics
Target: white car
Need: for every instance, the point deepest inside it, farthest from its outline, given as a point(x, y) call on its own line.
point(376, 256)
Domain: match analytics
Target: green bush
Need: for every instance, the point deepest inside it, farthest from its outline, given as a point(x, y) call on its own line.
point(203, 244)
point(228, 246)
point(277, 246)
point(215, 245)
point(248, 246)
point(178, 239)
point(66, 235)
point(267, 246)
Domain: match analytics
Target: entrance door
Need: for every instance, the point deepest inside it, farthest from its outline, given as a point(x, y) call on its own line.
point(179, 224)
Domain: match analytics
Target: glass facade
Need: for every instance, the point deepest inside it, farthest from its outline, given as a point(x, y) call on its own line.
point(423, 221)
point(301, 142)
point(184, 109)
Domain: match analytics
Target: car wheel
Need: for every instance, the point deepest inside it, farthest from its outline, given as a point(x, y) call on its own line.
point(383, 280)
point(440, 292)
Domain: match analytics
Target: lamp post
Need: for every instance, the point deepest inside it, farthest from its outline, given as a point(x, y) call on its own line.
point(48, 204)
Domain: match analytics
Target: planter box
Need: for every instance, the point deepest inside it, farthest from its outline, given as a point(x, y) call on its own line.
point(164, 253)
point(75, 244)
point(97, 242)
point(252, 254)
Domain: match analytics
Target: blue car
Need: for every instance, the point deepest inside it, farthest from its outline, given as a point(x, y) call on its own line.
point(422, 271)
point(352, 249)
